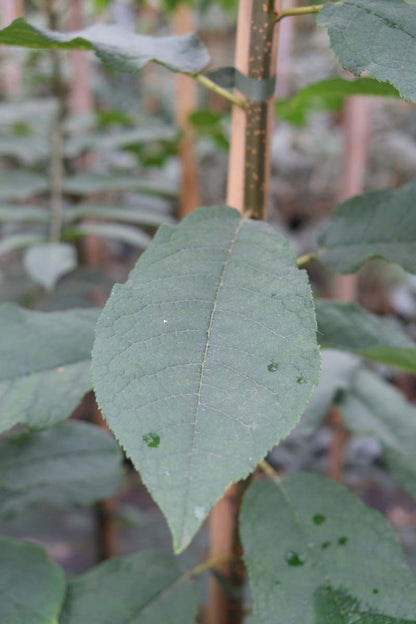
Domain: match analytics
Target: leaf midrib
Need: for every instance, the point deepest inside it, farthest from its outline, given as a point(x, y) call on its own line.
point(201, 376)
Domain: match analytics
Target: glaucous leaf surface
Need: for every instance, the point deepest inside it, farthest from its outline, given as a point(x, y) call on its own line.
point(377, 224)
point(48, 262)
point(21, 214)
point(120, 48)
point(329, 95)
point(72, 463)
point(378, 36)
point(374, 407)
point(45, 362)
point(348, 326)
point(91, 183)
point(205, 358)
point(32, 586)
point(317, 555)
point(144, 588)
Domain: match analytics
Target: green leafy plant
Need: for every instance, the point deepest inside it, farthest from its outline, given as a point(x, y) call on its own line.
point(207, 357)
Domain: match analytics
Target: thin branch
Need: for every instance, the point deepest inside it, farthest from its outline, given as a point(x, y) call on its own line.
point(269, 471)
point(303, 260)
point(212, 86)
point(297, 11)
point(209, 564)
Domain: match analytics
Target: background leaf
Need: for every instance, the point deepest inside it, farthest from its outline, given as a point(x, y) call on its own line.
point(200, 364)
point(328, 95)
point(72, 463)
point(376, 224)
point(374, 407)
point(113, 212)
point(123, 233)
point(21, 184)
point(117, 47)
point(144, 588)
point(44, 364)
point(375, 35)
point(315, 553)
point(344, 325)
point(47, 263)
point(32, 586)
point(91, 183)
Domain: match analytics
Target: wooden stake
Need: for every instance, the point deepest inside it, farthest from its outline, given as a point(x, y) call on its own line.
point(344, 287)
point(12, 76)
point(249, 163)
point(185, 103)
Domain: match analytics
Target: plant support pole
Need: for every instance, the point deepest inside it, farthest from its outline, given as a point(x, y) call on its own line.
point(248, 172)
point(249, 162)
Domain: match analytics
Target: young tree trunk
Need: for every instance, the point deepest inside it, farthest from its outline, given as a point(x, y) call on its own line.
point(186, 103)
point(256, 54)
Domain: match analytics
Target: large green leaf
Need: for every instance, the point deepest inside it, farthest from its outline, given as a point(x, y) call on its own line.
point(347, 326)
point(145, 588)
point(374, 407)
point(72, 463)
point(32, 586)
point(48, 262)
point(120, 48)
point(375, 35)
point(92, 183)
point(376, 224)
point(205, 358)
point(329, 95)
point(44, 364)
point(317, 555)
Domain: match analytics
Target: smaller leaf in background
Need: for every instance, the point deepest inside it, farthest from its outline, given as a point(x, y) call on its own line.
point(208, 123)
point(47, 263)
point(337, 372)
point(316, 553)
point(328, 95)
point(32, 586)
point(22, 214)
point(21, 185)
point(347, 326)
point(144, 588)
point(374, 407)
point(27, 150)
point(123, 233)
point(377, 224)
point(115, 46)
point(72, 463)
point(378, 36)
point(44, 364)
point(92, 183)
point(14, 242)
point(138, 215)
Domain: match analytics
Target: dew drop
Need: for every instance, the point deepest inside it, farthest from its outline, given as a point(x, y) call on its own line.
point(301, 380)
point(294, 559)
point(376, 591)
point(272, 367)
point(277, 582)
point(199, 513)
point(318, 519)
point(152, 440)
point(325, 545)
point(165, 321)
point(342, 541)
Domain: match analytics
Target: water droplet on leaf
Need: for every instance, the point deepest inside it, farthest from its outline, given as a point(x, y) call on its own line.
point(318, 519)
point(375, 590)
point(152, 440)
point(272, 367)
point(294, 559)
point(301, 380)
point(325, 545)
point(342, 541)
